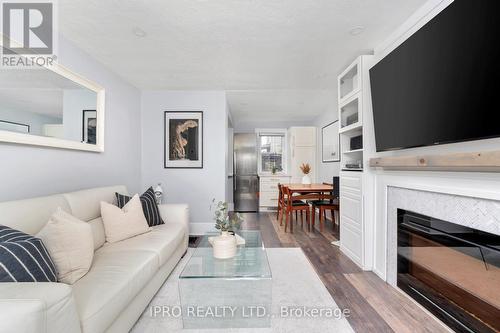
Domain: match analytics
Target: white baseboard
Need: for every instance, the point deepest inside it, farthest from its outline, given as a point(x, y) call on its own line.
point(198, 229)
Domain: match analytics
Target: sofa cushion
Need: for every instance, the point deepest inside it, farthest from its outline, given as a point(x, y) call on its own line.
point(31, 215)
point(86, 204)
point(123, 223)
point(24, 258)
point(149, 206)
point(70, 244)
point(38, 307)
point(98, 232)
point(114, 279)
point(162, 241)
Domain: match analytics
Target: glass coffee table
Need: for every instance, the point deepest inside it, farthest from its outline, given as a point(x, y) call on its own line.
point(227, 293)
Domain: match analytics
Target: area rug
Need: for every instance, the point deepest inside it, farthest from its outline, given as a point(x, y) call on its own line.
point(297, 291)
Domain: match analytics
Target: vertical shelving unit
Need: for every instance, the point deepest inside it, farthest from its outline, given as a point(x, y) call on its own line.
point(353, 91)
point(351, 117)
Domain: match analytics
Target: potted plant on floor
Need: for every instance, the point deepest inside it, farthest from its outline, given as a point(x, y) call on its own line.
point(306, 169)
point(225, 245)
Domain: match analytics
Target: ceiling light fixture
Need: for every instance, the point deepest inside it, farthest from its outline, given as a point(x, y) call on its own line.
point(139, 32)
point(356, 30)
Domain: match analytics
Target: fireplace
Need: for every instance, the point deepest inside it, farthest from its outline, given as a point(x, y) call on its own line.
point(452, 270)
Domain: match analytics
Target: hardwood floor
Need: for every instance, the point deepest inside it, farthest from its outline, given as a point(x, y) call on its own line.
point(375, 306)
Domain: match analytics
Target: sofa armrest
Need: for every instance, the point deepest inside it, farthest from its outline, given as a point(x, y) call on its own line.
point(38, 307)
point(175, 213)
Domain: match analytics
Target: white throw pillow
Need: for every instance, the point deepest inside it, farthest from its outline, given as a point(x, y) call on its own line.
point(122, 223)
point(70, 244)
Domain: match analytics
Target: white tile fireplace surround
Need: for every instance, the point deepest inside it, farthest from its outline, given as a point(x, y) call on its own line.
point(474, 212)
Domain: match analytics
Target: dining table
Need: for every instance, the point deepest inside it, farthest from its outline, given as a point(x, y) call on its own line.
point(309, 191)
point(308, 188)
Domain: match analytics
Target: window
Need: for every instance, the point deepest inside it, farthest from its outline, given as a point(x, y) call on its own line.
point(272, 152)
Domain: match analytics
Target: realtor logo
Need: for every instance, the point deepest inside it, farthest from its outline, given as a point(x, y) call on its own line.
point(27, 32)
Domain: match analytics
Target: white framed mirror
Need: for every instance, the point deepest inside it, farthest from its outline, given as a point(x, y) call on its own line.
point(52, 107)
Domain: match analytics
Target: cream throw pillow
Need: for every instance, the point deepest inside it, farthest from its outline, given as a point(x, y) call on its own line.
point(123, 223)
point(70, 244)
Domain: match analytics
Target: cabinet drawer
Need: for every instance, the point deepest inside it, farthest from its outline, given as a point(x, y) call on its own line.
point(269, 187)
point(352, 182)
point(351, 242)
point(352, 208)
point(274, 180)
point(268, 199)
point(353, 225)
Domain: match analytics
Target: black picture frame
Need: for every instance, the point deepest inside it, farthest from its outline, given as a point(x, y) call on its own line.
point(28, 127)
point(84, 129)
point(323, 142)
point(166, 142)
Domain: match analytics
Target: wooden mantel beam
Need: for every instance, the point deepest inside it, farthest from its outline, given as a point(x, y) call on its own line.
point(488, 161)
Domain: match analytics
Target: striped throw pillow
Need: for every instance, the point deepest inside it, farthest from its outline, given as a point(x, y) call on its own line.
point(149, 206)
point(24, 258)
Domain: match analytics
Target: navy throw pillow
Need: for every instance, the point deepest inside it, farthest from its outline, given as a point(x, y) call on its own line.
point(24, 258)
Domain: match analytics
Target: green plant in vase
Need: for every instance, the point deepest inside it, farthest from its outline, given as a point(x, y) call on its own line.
point(224, 222)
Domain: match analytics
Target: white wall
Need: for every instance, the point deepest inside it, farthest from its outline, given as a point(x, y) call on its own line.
point(197, 187)
point(326, 171)
point(34, 120)
point(465, 183)
point(27, 171)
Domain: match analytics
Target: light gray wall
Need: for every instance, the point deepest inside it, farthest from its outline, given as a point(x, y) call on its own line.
point(326, 171)
point(27, 171)
point(197, 187)
point(34, 120)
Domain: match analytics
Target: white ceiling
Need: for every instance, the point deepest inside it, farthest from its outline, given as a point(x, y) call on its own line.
point(248, 45)
point(265, 108)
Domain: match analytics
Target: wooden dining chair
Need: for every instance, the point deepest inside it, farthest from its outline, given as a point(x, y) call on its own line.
point(281, 203)
point(295, 203)
point(325, 202)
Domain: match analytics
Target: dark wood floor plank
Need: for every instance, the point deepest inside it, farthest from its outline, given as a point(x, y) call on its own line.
point(374, 305)
point(401, 313)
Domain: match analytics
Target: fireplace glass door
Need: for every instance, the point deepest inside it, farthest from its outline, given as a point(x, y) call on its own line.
point(452, 270)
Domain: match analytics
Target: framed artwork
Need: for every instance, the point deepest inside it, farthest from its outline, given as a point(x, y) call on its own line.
point(89, 127)
point(14, 127)
point(183, 139)
point(330, 142)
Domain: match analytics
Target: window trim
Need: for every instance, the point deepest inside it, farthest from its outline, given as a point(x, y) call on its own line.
point(272, 131)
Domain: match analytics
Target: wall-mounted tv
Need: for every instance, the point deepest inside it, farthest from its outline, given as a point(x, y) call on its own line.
point(442, 84)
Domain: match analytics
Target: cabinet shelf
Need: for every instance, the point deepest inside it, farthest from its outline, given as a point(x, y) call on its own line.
point(353, 129)
point(348, 82)
point(354, 151)
point(353, 169)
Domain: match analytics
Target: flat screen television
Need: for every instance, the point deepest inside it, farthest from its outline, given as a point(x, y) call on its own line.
point(442, 84)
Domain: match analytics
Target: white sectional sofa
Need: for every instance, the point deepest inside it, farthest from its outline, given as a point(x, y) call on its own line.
point(121, 282)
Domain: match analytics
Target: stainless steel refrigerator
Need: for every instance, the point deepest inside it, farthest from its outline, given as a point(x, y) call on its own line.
point(246, 180)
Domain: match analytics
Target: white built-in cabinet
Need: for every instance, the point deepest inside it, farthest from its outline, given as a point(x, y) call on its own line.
point(354, 107)
point(302, 150)
point(268, 190)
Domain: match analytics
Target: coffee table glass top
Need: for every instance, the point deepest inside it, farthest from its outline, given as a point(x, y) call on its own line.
point(250, 260)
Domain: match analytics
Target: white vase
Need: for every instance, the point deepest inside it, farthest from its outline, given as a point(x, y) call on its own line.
point(224, 246)
point(306, 180)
